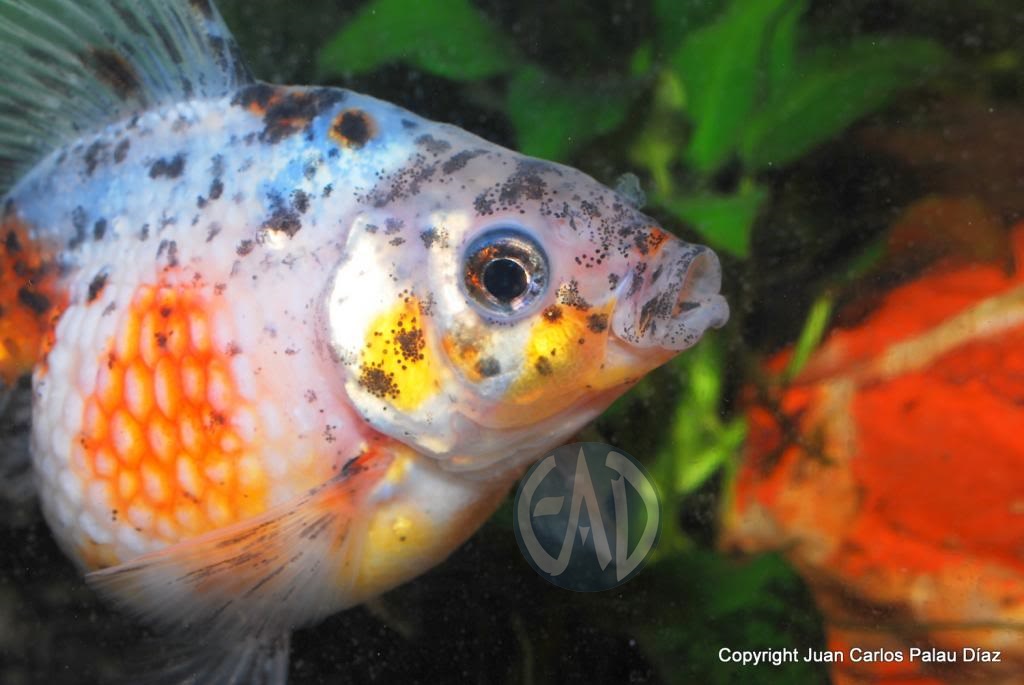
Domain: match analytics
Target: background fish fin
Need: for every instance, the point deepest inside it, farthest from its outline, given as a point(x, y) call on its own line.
point(291, 566)
point(71, 66)
point(210, 660)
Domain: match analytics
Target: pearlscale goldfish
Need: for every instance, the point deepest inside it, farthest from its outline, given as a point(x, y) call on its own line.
point(291, 346)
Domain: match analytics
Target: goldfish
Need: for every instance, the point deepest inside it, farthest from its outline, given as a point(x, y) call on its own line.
point(290, 346)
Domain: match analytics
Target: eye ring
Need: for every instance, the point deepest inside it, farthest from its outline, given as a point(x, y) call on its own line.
point(504, 271)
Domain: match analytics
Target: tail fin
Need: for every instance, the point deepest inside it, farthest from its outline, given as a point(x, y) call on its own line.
point(71, 66)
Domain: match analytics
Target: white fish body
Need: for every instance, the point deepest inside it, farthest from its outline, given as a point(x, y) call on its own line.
point(291, 346)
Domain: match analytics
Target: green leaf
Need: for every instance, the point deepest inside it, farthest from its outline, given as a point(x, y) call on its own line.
point(727, 442)
point(782, 47)
point(835, 90)
point(659, 140)
point(699, 602)
point(675, 19)
point(551, 116)
point(449, 38)
point(725, 221)
point(810, 336)
point(721, 68)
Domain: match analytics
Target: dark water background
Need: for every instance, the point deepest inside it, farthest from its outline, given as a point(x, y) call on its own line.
point(485, 616)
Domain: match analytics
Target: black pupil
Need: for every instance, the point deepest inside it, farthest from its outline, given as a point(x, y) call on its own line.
point(505, 279)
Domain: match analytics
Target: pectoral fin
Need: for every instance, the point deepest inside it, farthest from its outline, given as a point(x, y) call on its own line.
point(288, 567)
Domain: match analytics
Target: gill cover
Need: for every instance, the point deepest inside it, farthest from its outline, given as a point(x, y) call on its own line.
point(381, 332)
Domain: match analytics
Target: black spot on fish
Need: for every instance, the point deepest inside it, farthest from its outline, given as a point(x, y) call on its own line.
point(114, 70)
point(409, 124)
point(245, 247)
point(216, 189)
point(300, 201)
point(597, 323)
point(552, 314)
point(569, 295)
point(378, 382)
point(543, 366)
point(282, 218)
point(170, 168)
point(258, 94)
point(434, 236)
point(78, 221)
point(459, 160)
point(525, 183)
point(172, 254)
point(402, 184)
point(94, 155)
point(36, 301)
point(121, 151)
point(488, 367)
point(483, 204)
point(144, 233)
point(212, 232)
point(96, 286)
point(433, 145)
point(353, 128)
point(294, 110)
point(99, 229)
point(11, 242)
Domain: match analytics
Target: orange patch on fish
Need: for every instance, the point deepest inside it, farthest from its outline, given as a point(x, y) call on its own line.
point(655, 239)
point(157, 431)
point(30, 301)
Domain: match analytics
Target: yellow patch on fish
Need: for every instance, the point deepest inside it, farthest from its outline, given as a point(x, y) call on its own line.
point(565, 345)
point(407, 533)
point(397, 364)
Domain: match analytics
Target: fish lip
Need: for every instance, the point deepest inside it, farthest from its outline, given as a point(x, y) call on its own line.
point(671, 301)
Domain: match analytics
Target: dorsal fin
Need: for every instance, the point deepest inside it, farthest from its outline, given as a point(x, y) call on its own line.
point(72, 66)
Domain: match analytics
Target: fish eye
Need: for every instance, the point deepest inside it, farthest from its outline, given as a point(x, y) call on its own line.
point(505, 271)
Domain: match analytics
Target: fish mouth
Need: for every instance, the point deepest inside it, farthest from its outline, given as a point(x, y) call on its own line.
point(669, 302)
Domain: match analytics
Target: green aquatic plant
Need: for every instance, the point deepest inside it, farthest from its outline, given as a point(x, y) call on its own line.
point(717, 84)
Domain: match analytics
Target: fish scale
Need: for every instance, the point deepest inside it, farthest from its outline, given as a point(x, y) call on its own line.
point(272, 375)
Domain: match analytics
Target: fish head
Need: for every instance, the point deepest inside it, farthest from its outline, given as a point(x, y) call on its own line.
point(489, 304)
